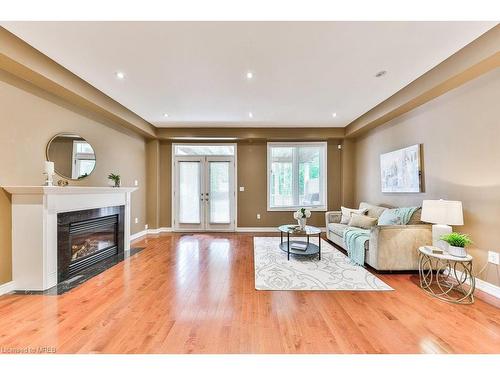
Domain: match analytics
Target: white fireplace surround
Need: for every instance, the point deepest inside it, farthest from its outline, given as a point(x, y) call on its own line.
point(34, 227)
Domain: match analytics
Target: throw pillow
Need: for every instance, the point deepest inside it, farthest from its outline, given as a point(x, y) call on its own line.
point(347, 212)
point(362, 221)
point(389, 217)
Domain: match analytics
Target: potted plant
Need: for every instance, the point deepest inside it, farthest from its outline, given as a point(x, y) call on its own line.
point(301, 215)
point(457, 242)
point(115, 178)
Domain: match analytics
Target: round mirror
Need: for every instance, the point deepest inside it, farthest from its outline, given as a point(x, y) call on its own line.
point(73, 156)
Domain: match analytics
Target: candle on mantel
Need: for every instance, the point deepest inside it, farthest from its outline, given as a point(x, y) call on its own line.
point(49, 167)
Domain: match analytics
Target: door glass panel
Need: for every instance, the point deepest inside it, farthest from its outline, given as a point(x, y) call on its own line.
point(189, 192)
point(219, 194)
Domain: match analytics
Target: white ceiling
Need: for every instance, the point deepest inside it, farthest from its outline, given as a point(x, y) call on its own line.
point(196, 71)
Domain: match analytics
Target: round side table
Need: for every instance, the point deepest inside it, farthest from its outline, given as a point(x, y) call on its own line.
point(446, 277)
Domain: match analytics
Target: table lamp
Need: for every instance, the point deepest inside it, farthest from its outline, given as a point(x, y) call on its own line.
point(442, 214)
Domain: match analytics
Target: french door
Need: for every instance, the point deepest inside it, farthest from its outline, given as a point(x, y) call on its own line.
point(204, 194)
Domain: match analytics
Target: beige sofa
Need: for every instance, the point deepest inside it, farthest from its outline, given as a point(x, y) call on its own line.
point(391, 247)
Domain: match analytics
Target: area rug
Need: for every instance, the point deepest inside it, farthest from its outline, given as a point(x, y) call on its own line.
point(333, 272)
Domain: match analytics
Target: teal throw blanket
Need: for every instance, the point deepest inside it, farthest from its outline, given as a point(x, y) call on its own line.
point(354, 239)
point(396, 216)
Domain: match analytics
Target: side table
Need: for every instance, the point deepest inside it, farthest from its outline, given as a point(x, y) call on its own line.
point(446, 277)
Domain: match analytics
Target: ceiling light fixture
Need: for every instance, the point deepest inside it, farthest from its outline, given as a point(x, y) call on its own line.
point(249, 75)
point(250, 114)
point(334, 114)
point(381, 73)
point(120, 75)
point(165, 115)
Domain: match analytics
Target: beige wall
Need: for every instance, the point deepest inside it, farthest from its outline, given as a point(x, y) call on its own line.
point(165, 184)
point(460, 133)
point(29, 117)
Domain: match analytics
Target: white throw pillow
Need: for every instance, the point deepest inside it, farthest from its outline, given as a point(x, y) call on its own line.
point(362, 221)
point(347, 212)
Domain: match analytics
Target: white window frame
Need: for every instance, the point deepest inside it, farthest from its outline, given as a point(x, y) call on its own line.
point(323, 175)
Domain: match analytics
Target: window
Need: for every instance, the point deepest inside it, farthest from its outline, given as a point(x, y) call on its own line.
point(205, 150)
point(296, 176)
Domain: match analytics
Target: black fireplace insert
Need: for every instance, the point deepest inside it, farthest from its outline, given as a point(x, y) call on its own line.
point(88, 237)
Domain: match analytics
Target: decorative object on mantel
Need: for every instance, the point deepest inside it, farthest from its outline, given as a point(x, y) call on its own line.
point(400, 170)
point(62, 183)
point(301, 215)
point(49, 172)
point(442, 214)
point(457, 243)
point(115, 178)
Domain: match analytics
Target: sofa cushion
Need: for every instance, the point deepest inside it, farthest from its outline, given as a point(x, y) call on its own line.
point(347, 212)
point(337, 229)
point(372, 210)
point(362, 221)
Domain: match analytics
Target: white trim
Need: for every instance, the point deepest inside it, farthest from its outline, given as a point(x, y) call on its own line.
point(7, 287)
point(484, 286)
point(146, 232)
point(323, 175)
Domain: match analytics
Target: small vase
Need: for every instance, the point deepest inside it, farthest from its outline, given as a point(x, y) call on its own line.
point(457, 251)
point(117, 183)
point(302, 223)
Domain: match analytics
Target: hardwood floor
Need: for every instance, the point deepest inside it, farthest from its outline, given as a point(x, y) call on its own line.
point(195, 294)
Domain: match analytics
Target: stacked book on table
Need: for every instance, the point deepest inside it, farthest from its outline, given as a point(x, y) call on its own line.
point(298, 246)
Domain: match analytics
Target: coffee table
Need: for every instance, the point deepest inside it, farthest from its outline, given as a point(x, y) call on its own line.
point(309, 230)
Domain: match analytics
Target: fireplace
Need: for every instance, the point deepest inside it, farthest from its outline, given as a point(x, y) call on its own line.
point(86, 238)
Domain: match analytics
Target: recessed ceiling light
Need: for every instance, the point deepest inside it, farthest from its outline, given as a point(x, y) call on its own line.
point(165, 115)
point(120, 75)
point(250, 114)
point(381, 73)
point(249, 75)
point(334, 114)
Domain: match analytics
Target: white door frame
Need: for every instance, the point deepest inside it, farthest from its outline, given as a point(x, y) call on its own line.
point(234, 225)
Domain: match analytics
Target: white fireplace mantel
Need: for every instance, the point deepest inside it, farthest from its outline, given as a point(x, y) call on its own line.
point(34, 226)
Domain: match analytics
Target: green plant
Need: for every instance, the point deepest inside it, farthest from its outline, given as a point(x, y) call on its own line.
point(457, 239)
point(115, 178)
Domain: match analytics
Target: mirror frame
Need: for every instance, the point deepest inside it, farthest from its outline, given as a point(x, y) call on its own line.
point(55, 167)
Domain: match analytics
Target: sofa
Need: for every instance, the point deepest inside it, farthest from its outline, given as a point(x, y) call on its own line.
point(390, 247)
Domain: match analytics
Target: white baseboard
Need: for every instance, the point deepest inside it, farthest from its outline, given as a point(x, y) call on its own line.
point(145, 232)
point(7, 287)
point(484, 286)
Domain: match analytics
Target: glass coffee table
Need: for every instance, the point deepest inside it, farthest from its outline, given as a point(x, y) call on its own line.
point(307, 247)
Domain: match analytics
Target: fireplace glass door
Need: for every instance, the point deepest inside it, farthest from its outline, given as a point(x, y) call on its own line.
point(90, 239)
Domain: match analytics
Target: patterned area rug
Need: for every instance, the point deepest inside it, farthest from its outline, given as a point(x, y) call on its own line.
point(333, 272)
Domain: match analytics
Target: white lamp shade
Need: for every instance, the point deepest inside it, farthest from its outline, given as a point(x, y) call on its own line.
point(442, 212)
